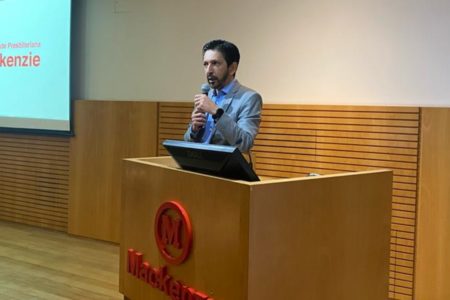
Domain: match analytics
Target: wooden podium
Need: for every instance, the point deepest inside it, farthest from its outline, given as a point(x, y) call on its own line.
point(323, 237)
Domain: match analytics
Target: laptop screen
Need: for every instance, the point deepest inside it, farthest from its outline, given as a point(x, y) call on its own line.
point(218, 160)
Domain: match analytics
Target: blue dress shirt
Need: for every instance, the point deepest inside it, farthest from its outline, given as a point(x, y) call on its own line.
point(218, 97)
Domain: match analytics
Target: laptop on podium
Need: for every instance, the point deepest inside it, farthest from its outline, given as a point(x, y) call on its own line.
point(218, 160)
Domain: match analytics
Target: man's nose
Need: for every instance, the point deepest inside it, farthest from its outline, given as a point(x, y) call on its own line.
point(208, 69)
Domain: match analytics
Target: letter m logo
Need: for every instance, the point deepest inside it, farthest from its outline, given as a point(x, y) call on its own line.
point(173, 232)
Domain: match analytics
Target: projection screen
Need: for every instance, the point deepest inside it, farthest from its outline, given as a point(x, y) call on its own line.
point(35, 65)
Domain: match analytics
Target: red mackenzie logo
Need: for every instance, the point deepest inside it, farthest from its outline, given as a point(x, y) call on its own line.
point(173, 232)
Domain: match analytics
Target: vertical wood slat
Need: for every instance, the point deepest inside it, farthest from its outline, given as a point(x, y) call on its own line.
point(433, 235)
point(34, 180)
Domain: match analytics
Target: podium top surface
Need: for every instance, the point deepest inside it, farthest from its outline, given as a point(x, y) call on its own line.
point(169, 163)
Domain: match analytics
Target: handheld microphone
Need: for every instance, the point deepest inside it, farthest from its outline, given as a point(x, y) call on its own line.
point(205, 88)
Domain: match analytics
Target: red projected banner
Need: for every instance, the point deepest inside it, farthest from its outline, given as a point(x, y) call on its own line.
point(19, 59)
point(29, 60)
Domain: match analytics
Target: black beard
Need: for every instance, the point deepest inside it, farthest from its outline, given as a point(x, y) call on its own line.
point(217, 82)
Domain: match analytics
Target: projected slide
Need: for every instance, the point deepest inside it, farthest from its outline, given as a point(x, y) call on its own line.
point(34, 64)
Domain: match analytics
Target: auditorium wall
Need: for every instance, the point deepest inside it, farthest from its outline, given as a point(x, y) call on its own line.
point(327, 52)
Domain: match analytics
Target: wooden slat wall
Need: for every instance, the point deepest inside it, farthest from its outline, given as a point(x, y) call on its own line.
point(173, 120)
point(295, 140)
point(34, 175)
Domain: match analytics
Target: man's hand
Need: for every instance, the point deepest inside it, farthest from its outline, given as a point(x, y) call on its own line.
point(198, 119)
point(203, 104)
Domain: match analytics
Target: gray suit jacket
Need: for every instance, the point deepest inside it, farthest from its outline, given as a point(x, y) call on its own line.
point(239, 124)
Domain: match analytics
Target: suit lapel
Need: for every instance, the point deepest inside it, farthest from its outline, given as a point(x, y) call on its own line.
point(230, 96)
point(226, 102)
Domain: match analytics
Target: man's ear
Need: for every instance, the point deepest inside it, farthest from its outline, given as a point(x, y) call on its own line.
point(233, 68)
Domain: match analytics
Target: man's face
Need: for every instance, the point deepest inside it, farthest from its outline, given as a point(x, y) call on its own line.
point(218, 73)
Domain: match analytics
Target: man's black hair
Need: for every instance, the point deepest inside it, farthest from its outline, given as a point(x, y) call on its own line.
point(228, 50)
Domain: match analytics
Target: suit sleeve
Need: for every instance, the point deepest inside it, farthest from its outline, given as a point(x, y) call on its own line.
point(191, 136)
point(242, 132)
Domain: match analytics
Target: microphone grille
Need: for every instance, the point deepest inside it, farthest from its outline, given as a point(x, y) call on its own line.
point(205, 88)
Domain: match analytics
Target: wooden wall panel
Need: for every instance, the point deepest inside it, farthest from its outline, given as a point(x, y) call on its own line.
point(34, 180)
point(332, 139)
point(295, 140)
point(174, 118)
point(433, 235)
point(105, 133)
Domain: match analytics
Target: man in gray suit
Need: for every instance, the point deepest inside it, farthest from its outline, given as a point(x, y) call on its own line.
point(227, 113)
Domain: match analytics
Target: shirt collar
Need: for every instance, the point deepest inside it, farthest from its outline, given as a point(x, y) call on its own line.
point(226, 89)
